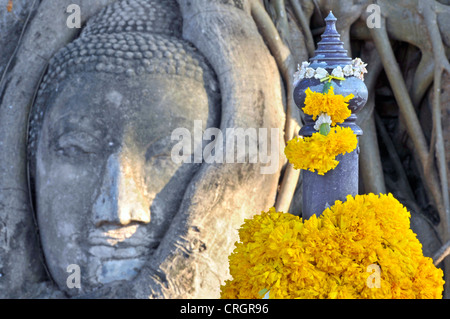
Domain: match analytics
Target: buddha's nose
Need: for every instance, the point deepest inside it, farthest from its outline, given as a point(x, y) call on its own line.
point(122, 198)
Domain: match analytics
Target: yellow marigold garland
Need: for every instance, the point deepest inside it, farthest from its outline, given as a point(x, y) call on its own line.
point(335, 106)
point(328, 257)
point(319, 152)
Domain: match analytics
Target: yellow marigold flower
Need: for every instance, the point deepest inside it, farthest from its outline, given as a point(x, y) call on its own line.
point(335, 106)
point(328, 256)
point(319, 152)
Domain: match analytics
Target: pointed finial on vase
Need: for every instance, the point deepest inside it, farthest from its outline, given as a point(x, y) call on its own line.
point(330, 51)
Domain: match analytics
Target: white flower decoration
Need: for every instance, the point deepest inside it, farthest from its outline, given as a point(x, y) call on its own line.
point(357, 69)
point(305, 64)
point(348, 70)
point(323, 118)
point(357, 73)
point(337, 72)
point(320, 73)
point(357, 62)
point(302, 72)
point(310, 73)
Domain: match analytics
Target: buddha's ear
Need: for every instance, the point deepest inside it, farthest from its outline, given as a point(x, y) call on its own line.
point(192, 259)
point(45, 32)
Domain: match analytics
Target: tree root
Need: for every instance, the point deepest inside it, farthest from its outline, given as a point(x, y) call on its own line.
point(440, 255)
point(286, 65)
point(402, 181)
point(281, 20)
point(304, 26)
point(287, 188)
point(283, 58)
point(371, 169)
point(423, 78)
point(407, 110)
point(441, 64)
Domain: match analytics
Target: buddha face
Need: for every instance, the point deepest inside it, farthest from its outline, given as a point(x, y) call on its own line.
point(106, 186)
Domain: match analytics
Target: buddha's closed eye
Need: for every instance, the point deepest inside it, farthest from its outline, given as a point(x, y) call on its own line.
point(73, 144)
point(158, 149)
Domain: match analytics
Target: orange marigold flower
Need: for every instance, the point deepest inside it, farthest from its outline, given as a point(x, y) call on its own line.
point(332, 256)
point(335, 106)
point(319, 152)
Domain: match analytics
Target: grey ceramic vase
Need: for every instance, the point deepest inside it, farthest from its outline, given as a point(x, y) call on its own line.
point(321, 191)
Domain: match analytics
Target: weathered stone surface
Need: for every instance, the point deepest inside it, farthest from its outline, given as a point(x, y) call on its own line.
point(11, 24)
point(187, 257)
point(107, 196)
point(22, 271)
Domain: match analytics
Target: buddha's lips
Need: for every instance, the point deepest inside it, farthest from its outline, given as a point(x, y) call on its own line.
point(128, 237)
point(113, 253)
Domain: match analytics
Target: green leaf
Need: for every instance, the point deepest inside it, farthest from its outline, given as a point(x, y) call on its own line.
point(262, 292)
point(324, 129)
point(327, 86)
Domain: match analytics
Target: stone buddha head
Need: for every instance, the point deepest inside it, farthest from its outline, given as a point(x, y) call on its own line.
point(105, 187)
